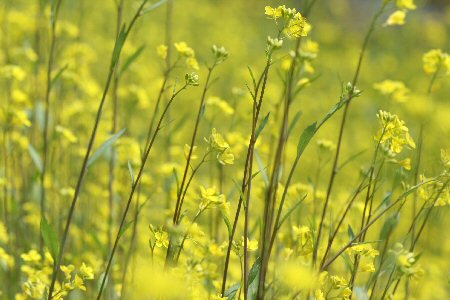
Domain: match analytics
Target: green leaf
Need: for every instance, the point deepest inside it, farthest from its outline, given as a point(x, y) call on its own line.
point(389, 225)
point(253, 77)
point(60, 72)
point(294, 122)
point(130, 169)
point(100, 280)
point(153, 6)
point(262, 125)
point(49, 237)
point(125, 228)
point(35, 157)
point(305, 138)
point(350, 232)
point(227, 222)
point(253, 276)
point(120, 41)
point(232, 291)
point(261, 167)
point(105, 146)
point(290, 211)
point(131, 59)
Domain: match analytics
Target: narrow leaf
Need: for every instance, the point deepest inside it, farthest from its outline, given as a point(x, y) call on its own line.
point(232, 291)
point(120, 41)
point(35, 157)
point(125, 228)
point(305, 138)
point(253, 276)
point(105, 146)
point(131, 59)
point(130, 169)
point(153, 6)
point(57, 75)
point(262, 125)
point(294, 122)
point(49, 237)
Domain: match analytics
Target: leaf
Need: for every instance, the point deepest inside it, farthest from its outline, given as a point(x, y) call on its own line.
point(348, 261)
point(60, 72)
point(130, 169)
point(253, 276)
point(131, 59)
point(105, 146)
point(125, 228)
point(294, 122)
point(49, 237)
point(333, 110)
point(100, 280)
point(252, 76)
point(153, 6)
point(227, 222)
point(350, 232)
point(389, 225)
point(261, 167)
point(305, 138)
point(290, 211)
point(262, 125)
point(36, 158)
point(120, 41)
point(232, 291)
point(202, 111)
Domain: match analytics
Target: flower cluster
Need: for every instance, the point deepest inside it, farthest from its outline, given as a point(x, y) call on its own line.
point(395, 89)
point(434, 60)
point(398, 16)
point(218, 143)
point(294, 24)
point(184, 51)
point(394, 135)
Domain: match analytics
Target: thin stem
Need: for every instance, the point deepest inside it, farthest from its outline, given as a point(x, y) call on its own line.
point(247, 172)
point(45, 131)
point(83, 171)
point(334, 169)
point(133, 189)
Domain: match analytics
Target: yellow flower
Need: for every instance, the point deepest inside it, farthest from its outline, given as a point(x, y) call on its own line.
point(434, 59)
point(32, 256)
point(396, 18)
point(225, 157)
point(369, 267)
point(273, 13)
point(184, 50)
point(187, 148)
point(161, 50)
point(66, 133)
point(396, 89)
point(67, 270)
point(394, 135)
point(296, 28)
point(162, 239)
point(221, 104)
point(192, 62)
point(406, 4)
point(86, 272)
point(78, 283)
point(216, 141)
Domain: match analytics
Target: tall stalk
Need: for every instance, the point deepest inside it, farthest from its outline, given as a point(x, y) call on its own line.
point(116, 54)
point(133, 190)
point(334, 169)
point(45, 130)
point(247, 177)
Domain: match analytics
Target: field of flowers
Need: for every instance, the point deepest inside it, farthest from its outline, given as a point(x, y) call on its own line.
point(173, 149)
